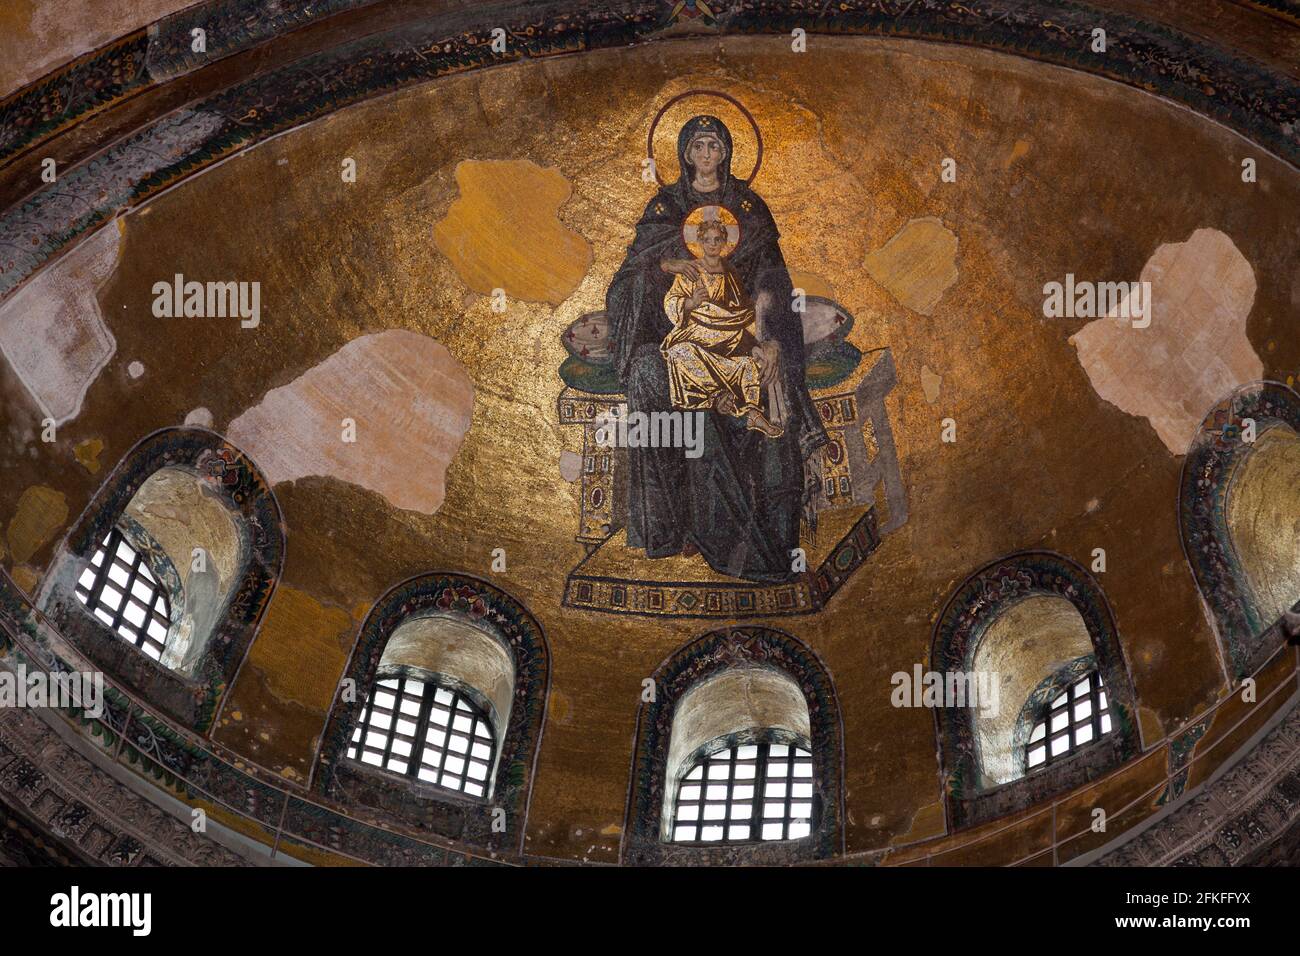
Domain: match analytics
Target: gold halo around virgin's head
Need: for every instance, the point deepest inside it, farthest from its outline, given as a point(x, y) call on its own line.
point(738, 147)
point(702, 214)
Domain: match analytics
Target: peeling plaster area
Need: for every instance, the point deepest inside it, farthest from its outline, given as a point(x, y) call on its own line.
point(409, 403)
point(37, 36)
point(52, 332)
point(503, 232)
point(1194, 352)
point(41, 512)
point(918, 265)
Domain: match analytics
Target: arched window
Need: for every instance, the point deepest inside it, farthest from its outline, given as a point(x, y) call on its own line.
point(1239, 514)
point(164, 579)
point(450, 678)
point(119, 589)
point(1034, 635)
point(1073, 719)
point(746, 792)
point(738, 756)
point(430, 716)
point(740, 762)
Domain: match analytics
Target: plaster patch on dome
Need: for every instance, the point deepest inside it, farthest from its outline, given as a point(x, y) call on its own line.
point(41, 512)
point(931, 382)
point(918, 265)
point(812, 284)
point(87, 452)
point(503, 232)
point(410, 404)
point(52, 331)
point(570, 465)
point(1195, 350)
point(200, 416)
point(299, 628)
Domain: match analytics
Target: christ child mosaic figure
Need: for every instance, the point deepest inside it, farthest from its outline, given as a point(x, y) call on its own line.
point(711, 351)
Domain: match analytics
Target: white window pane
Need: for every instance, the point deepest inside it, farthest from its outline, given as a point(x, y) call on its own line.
point(1101, 700)
point(1083, 734)
point(482, 751)
point(745, 772)
point(740, 811)
point(717, 791)
point(738, 831)
point(124, 552)
point(715, 811)
point(742, 793)
point(157, 631)
point(372, 758)
point(406, 727)
point(696, 772)
point(1105, 723)
point(684, 833)
point(1060, 722)
point(688, 811)
point(799, 829)
point(1039, 733)
point(134, 613)
point(690, 793)
point(474, 789)
point(1037, 756)
point(397, 766)
point(380, 721)
point(778, 750)
point(773, 831)
point(1082, 709)
point(711, 833)
point(454, 765)
point(104, 616)
point(747, 752)
point(98, 559)
point(401, 748)
point(1060, 745)
point(774, 790)
point(411, 707)
point(87, 579)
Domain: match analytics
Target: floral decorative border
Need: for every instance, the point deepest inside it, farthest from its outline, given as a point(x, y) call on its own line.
point(232, 475)
point(1208, 468)
point(972, 608)
point(1259, 103)
point(476, 602)
point(703, 657)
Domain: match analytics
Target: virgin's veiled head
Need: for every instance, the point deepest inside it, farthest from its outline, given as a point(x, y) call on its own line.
point(704, 127)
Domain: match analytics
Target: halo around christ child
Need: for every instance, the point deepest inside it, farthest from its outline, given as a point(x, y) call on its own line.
point(702, 214)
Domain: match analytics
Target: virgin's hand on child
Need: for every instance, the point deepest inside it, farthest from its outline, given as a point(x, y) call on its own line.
point(681, 267)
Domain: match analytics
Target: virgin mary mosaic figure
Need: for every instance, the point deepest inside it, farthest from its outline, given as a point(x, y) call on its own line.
point(740, 504)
